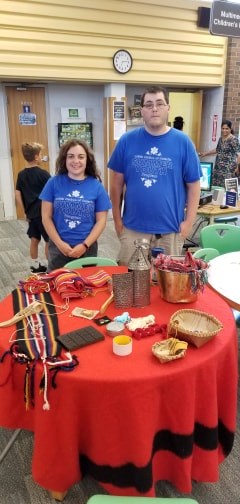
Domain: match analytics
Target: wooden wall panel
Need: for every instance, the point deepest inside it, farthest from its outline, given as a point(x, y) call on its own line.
point(74, 40)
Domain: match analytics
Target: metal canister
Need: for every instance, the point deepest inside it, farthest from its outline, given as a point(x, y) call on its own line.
point(145, 246)
point(140, 266)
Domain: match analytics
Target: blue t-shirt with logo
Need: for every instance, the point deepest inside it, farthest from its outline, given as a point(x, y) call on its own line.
point(75, 203)
point(156, 170)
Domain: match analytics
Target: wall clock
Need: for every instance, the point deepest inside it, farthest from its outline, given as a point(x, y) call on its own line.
point(122, 61)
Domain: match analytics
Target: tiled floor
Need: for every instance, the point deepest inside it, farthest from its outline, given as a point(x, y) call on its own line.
point(14, 252)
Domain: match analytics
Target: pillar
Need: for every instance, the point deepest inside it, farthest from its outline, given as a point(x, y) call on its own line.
point(115, 120)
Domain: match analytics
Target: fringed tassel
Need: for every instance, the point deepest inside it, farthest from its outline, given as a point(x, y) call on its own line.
point(32, 385)
point(8, 352)
point(41, 386)
point(46, 405)
point(27, 381)
point(74, 362)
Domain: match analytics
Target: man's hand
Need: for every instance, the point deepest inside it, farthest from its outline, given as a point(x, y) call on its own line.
point(185, 229)
point(119, 227)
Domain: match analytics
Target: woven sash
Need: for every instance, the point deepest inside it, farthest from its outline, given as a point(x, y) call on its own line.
point(45, 324)
point(34, 341)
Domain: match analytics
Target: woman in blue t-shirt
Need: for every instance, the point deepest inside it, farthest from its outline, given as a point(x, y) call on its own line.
point(74, 205)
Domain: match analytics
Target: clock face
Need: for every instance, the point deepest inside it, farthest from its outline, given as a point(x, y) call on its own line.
point(122, 61)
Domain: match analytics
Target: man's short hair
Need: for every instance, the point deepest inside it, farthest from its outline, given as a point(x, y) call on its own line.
point(155, 90)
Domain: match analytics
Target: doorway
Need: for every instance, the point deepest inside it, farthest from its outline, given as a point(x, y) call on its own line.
point(27, 123)
point(189, 106)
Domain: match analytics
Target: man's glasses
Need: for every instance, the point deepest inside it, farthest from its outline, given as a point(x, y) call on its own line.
point(158, 104)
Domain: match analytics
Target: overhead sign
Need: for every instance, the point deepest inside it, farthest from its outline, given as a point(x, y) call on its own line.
point(225, 19)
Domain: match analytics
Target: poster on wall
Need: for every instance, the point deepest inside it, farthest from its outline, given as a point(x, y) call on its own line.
point(81, 131)
point(73, 114)
point(118, 110)
point(27, 119)
point(214, 128)
point(119, 127)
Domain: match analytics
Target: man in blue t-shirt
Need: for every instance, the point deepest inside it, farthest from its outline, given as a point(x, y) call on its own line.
point(158, 170)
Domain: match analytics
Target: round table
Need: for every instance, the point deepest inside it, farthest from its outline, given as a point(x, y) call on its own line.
point(224, 277)
point(129, 421)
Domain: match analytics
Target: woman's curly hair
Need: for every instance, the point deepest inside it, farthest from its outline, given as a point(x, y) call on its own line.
point(91, 167)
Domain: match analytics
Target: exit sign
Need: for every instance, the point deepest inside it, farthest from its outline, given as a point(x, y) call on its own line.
point(225, 19)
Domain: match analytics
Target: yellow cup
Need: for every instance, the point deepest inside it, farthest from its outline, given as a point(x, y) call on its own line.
point(122, 345)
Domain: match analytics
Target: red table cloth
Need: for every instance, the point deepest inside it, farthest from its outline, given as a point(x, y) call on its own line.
point(129, 421)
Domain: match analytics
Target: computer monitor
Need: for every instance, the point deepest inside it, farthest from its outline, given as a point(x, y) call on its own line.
point(206, 179)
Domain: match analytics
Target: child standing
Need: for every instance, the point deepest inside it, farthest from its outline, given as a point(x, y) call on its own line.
point(30, 183)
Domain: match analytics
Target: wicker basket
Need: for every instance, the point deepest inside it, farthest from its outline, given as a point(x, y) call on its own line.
point(193, 326)
point(169, 350)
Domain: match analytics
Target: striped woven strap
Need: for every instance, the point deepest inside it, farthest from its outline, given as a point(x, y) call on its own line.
point(36, 334)
point(98, 279)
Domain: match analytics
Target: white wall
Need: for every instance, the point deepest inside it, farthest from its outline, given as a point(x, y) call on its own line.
point(90, 97)
point(212, 105)
point(71, 96)
point(7, 200)
point(57, 96)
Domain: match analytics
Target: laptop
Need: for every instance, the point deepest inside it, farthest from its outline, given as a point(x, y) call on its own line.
point(206, 179)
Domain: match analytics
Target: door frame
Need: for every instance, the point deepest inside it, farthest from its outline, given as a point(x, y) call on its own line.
point(7, 189)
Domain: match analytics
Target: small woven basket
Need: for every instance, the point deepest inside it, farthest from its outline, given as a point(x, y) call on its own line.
point(162, 350)
point(194, 326)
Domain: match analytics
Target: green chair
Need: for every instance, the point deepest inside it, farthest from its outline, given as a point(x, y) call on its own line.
point(223, 237)
point(110, 499)
point(90, 261)
point(227, 219)
point(206, 254)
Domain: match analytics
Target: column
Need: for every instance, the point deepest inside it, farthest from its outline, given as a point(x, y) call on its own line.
point(115, 120)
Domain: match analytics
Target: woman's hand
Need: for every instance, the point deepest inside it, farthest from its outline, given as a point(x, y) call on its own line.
point(207, 153)
point(64, 248)
point(237, 170)
point(77, 251)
